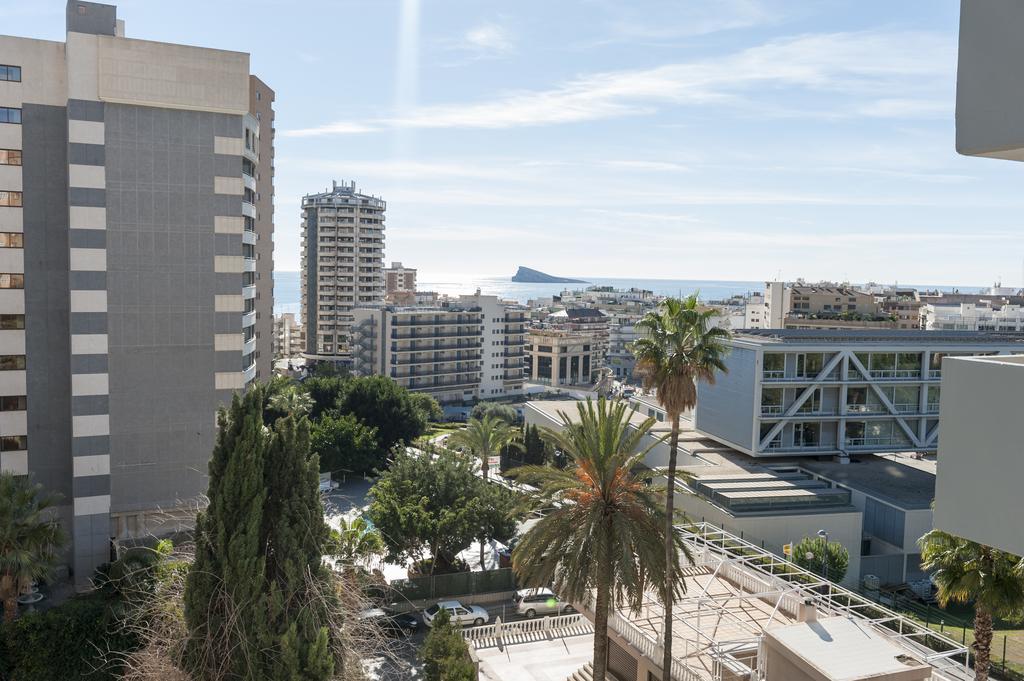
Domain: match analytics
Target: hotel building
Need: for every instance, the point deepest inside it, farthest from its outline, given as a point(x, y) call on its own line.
point(135, 192)
point(342, 266)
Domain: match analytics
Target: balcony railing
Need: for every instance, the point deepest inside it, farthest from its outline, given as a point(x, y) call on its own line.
point(876, 442)
point(772, 410)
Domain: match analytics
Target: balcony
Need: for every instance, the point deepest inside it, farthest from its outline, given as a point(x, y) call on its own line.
point(248, 292)
point(874, 442)
point(248, 319)
point(249, 375)
point(439, 321)
point(435, 359)
point(250, 264)
point(248, 210)
point(440, 334)
point(895, 374)
point(249, 347)
point(431, 347)
point(249, 181)
point(436, 372)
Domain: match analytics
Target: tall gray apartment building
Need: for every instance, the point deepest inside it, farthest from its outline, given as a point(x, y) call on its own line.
point(135, 269)
point(342, 266)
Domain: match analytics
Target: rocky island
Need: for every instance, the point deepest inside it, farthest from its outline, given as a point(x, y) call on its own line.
point(527, 276)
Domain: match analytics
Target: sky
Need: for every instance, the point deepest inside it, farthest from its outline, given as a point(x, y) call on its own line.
point(685, 139)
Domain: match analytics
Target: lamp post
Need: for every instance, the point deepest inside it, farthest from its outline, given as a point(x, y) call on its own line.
point(824, 554)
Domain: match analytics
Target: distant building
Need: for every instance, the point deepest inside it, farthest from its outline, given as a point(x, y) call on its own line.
point(289, 337)
point(342, 266)
point(817, 306)
point(903, 305)
point(794, 391)
point(561, 357)
point(398, 279)
point(589, 321)
point(619, 357)
point(973, 312)
point(459, 351)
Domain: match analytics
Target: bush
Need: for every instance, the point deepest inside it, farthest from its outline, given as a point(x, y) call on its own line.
point(80, 639)
point(838, 558)
point(445, 654)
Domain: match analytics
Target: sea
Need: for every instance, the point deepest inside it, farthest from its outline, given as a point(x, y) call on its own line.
point(288, 292)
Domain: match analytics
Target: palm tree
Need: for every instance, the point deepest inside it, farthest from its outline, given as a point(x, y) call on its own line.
point(966, 571)
point(292, 401)
point(607, 532)
point(29, 538)
point(484, 437)
point(355, 541)
point(681, 346)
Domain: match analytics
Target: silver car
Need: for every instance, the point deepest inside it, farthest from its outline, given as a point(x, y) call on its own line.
point(533, 602)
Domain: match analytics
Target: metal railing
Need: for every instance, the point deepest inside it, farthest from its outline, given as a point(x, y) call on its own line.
point(540, 624)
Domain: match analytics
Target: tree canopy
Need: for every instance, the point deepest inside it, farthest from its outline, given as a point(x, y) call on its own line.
point(381, 403)
point(344, 443)
point(502, 411)
point(834, 556)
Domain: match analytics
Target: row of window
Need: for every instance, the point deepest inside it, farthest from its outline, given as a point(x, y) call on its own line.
point(10, 199)
point(11, 73)
point(13, 443)
point(12, 240)
point(12, 362)
point(10, 280)
point(10, 157)
point(12, 322)
point(13, 403)
point(9, 114)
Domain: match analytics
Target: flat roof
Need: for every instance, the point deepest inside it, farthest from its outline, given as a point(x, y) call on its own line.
point(893, 336)
point(846, 649)
point(550, 409)
point(903, 486)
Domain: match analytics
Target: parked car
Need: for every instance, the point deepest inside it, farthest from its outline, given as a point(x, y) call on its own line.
point(391, 622)
point(533, 602)
point(460, 614)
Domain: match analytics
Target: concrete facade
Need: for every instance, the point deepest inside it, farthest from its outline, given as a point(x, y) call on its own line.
point(835, 392)
point(123, 315)
point(982, 463)
point(342, 266)
point(562, 357)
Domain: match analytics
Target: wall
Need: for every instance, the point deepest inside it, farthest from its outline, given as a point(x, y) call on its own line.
point(725, 410)
point(982, 461)
point(776, 530)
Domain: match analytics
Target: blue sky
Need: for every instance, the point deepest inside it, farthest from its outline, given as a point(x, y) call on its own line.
point(700, 139)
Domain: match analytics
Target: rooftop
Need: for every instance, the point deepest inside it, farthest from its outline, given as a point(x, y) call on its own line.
point(880, 336)
point(902, 486)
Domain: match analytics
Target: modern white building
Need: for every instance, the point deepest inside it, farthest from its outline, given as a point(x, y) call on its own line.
point(289, 336)
point(342, 265)
point(503, 335)
point(980, 315)
point(837, 392)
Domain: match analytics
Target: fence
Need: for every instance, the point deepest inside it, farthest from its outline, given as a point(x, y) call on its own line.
point(455, 584)
point(540, 624)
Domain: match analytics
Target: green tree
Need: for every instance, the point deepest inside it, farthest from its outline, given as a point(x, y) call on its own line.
point(966, 572)
point(255, 600)
point(428, 406)
point(277, 385)
point(484, 438)
point(355, 542)
point(345, 443)
point(30, 537)
point(830, 561)
point(423, 502)
point(325, 391)
point(610, 536)
point(292, 401)
point(535, 451)
point(495, 513)
point(680, 347)
point(381, 403)
point(503, 411)
point(444, 652)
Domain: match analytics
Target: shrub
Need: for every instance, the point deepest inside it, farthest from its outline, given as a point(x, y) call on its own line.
point(445, 654)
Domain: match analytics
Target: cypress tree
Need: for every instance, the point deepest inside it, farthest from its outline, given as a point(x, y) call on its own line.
point(257, 596)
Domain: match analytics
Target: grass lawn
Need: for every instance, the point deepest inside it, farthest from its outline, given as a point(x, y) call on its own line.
point(435, 429)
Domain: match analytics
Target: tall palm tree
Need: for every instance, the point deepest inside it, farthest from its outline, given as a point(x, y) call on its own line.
point(681, 346)
point(355, 541)
point(484, 437)
point(607, 532)
point(965, 571)
point(292, 401)
point(29, 538)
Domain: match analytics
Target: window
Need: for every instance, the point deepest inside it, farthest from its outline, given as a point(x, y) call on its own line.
point(11, 73)
point(12, 321)
point(12, 240)
point(12, 362)
point(13, 403)
point(13, 443)
point(10, 115)
point(10, 199)
point(12, 281)
point(10, 157)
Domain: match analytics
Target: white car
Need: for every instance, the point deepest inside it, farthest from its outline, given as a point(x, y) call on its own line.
point(460, 614)
point(533, 602)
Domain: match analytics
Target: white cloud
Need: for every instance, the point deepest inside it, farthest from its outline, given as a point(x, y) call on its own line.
point(489, 38)
point(883, 74)
point(336, 128)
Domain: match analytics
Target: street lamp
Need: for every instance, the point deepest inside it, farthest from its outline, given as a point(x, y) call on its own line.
point(824, 554)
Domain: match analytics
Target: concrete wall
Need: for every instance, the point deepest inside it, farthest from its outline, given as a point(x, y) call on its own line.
point(776, 530)
point(726, 409)
point(981, 458)
point(261, 101)
point(990, 82)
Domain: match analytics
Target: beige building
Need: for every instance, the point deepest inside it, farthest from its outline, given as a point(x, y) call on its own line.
point(562, 357)
point(289, 337)
point(503, 336)
point(342, 266)
point(398, 279)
